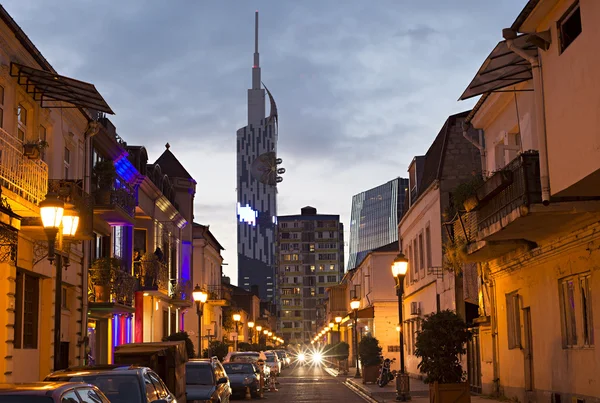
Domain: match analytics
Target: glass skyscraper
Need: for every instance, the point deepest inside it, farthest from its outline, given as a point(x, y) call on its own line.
point(374, 220)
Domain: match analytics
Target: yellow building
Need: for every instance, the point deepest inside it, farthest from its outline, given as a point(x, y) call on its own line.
point(534, 227)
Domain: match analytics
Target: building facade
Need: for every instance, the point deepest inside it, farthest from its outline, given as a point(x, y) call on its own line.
point(374, 218)
point(533, 231)
point(257, 178)
point(310, 250)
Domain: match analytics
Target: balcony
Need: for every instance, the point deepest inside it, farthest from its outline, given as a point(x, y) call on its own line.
point(218, 295)
point(116, 206)
point(509, 213)
point(26, 179)
point(111, 290)
point(151, 275)
point(181, 293)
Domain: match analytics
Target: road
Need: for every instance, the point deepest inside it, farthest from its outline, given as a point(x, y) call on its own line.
point(310, 384)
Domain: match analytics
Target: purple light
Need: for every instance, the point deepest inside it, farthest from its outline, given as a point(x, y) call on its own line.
point(128, 334)
point(115, 320)
point(125, 169)
point(186, 263)
point(247, 214)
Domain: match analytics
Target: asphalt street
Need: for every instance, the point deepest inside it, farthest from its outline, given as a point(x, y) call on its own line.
point(311, 384)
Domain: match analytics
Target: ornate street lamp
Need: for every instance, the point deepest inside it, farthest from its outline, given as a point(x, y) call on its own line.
point(251, 327)
point(354, 305)
point(399, 269)
point(236, 318)
point(200, 296)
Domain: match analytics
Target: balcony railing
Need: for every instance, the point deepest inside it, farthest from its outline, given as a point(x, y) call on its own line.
point(71, 191)
point(26, 177)
point(217, 292)
point(181, 290)
point(121, 286)
point(152, 275)
point(518, 184)
point(122, 196)
point(465, 226)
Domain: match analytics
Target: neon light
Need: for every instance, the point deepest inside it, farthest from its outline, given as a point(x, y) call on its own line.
point(186, 260)
point(110, 346)
point(115, 340)
point(128, 327)
point(247, 214)
point(125, 168)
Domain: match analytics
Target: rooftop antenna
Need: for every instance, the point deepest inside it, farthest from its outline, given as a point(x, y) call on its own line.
point(256, 66)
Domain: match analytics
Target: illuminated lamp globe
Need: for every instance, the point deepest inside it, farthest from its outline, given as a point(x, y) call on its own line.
point(338, 319)
point(70, 222)
point(259, 328)
point(400, 265)
point(355, 304)
point(331, 324)
point(237, 317)
point(199, 295)
point(250, 325)
point(51, 211)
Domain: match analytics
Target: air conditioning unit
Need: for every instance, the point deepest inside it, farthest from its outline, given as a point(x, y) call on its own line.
point(415, 308)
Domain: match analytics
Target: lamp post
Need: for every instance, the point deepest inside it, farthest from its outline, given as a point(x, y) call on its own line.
point(354, 305)
point(338, 320)
point(258, 333)
point(399, 269)
point(251, 327)
point(200, 296)
point(236, 318)
point(51, 212)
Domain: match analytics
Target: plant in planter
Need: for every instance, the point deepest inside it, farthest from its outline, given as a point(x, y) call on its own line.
point(342, 351)
point(369, 352)
point(105, 175)
point(33, 149)
point(104, 275)
point(440, 343)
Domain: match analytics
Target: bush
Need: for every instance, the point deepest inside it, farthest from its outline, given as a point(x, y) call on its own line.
point(243, 346)
point(189, 346)
point(369, 351)
point(342, 350)
point(218, 348)
point(440, 343)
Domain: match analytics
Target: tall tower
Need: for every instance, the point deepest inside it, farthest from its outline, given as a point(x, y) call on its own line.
point(257, 178)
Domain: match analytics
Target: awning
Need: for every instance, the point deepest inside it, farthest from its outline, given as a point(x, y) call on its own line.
point(51, 89)
point(502, 68)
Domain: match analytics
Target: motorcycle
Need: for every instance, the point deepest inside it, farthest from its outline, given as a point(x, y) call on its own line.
point(385, 374)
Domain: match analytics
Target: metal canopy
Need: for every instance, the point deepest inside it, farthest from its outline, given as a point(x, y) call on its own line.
point(501, 69)
point(51, 89)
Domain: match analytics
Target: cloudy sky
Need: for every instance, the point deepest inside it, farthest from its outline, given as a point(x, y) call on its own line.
point(361, 86)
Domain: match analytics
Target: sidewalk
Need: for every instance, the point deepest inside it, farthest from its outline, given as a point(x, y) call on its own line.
point(419, 391)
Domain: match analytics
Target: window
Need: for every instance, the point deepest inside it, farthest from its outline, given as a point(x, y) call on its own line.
point(568, 312)
point(284, 225)
point(312, 268)
point(69, 397)
point(311, 247)
point(576, 311)
point(428, 246)
point(321, 279)
point(294, 256)
point(513, 320)
point(64, 298)
point(67, 161)
point(1, 106)
point(21, 122)
point(331, 279)
point(331, 267)
point(586, 310)
point(569, 27)
point(89, 395)
point(26, 311)
point(421, 252)
point(286, 302)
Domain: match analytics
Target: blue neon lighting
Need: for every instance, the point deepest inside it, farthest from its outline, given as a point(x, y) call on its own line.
point(186, 260)
point(115, 320)
point(247, 214)
point(128, 325)
point(125, 169)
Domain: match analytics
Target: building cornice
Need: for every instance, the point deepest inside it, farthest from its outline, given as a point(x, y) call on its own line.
point(161, 201)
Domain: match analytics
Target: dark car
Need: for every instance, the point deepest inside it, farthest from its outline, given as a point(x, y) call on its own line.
point(121, 384)
point(243, 375)
point(51, 392)
point(206, 380)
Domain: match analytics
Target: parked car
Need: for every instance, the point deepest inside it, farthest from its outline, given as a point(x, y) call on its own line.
point(283, 356)
point(121, 384)
point(249, 357)
point(206, 380)
point(242, 376)
point(273, 362)
point(51, 392)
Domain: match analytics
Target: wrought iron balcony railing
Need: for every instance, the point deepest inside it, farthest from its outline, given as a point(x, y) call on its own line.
point(114, 285)
point(122, 196)
point(152, 275)
point(465, 226)
point(181, 290)
point(517, 185)
point(26, 177)
point(218, 292)
point(71, 192)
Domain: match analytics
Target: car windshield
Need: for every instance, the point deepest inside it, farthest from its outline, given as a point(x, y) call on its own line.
point(199, 375)
point(239, 368)
point(270, 357)
point(20, 398)
point(117, 387)
point(250, 358)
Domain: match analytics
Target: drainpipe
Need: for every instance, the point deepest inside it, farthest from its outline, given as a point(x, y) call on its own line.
point(538, 91)
point(466, 126)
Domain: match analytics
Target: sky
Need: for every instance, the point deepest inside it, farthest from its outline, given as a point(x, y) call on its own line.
point(361, 86)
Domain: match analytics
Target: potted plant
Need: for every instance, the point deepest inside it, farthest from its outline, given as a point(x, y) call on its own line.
point(103, 275)
point(149, 273)
point(33, 149)
point(105, 175)
point(440, 343)
point(342, 351)
point(369, 352)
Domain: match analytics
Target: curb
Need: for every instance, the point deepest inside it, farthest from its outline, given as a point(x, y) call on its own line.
point(332, 372)
point(365, 394)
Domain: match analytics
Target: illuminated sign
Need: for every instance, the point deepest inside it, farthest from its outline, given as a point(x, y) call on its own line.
point(247, 214)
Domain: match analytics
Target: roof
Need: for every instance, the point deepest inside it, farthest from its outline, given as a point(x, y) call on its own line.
point(170, 165)
point(524, 14)
point(390, 247)
point(502, 68)
point(206, 232)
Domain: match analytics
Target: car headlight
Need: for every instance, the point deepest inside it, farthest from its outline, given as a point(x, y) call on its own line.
point(247, 381)
point(301, 357)
point(317, 357)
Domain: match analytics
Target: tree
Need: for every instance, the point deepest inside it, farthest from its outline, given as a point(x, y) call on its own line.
point(217, 348)
point(189, 346)
point(440, 343)
point(369, 351)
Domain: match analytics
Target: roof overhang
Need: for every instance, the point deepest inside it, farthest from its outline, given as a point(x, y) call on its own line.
point(53, 91)
point(502, 69)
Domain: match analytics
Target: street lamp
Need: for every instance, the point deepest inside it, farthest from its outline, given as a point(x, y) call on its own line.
point(399, 269)
point(258, 333)
point(354, 305)
point(338, 320)
point(200, 296)
point(251, 327)
point(236, 318)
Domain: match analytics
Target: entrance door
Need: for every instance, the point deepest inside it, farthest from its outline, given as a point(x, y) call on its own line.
point(64, 355)
point(528, 349)
point(474, 361)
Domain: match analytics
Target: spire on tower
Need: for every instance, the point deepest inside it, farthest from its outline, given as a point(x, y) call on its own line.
point(256, 66)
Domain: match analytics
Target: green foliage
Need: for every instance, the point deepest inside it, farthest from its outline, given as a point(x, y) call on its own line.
point(243, 346)
point(440, 343)
point(189, 346)
point(455, 254)
point(104, 270)
point(105, 174)
point(461, 193)
point(369, 351)
point(217, 348)
point(342, 350)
